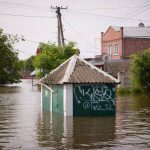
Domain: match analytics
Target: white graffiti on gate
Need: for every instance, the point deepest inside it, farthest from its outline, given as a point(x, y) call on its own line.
point(95, 97)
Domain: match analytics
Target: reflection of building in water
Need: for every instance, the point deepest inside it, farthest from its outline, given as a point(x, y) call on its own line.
point(78, 88)
point(58, 132)
point(54, 131)
point(132, 116)
point(93, 132)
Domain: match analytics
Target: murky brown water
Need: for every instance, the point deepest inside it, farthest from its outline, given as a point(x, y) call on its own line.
point(24, 126)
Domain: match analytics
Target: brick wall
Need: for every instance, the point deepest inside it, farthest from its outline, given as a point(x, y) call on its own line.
point(111, 37)
point(134, 45)
point(127, 46)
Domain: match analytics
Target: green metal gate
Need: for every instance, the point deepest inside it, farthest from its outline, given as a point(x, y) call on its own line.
point(57, 102)
point(46, 95)
point(93, 99)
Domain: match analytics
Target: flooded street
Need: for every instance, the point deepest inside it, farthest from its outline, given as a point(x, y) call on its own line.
point(23, 125)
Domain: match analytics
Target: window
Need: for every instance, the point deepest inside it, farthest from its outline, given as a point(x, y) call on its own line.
point(116, 48)
point(109, 50)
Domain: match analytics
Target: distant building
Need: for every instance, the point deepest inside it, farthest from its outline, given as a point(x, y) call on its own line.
point(38, 51)
point(96, 61)
point(121, 42)
point(120, 69)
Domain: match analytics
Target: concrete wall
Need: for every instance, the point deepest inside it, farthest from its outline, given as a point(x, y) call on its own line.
point(121, 70)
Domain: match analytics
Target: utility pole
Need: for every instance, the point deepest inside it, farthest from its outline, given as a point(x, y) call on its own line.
point(59, 26)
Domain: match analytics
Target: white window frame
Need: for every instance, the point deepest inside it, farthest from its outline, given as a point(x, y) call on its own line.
point(109, 50)
point(116, 49)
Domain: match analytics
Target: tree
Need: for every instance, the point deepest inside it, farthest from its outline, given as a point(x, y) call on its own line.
point(9, 66)
point(140, 69)
point(51, 56)
point(27, 64)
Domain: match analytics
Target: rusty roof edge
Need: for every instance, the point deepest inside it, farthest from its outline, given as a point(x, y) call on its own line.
point(69, 69)
point(99, 70)
point(43, 78)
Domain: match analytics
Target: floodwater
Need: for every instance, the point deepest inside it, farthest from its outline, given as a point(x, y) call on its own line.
point(23, 125)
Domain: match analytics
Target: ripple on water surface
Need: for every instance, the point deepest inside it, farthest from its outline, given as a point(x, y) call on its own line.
point(23, 125)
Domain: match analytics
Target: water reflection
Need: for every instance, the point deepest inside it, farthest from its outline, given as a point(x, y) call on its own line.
point(18, 111)
point(93, 132)
point(59, 132)
point(132, 122)
point(24, 126)
point(7, 115)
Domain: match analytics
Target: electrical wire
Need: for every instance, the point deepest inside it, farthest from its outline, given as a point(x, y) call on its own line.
point(145, 4)
point(78, 34)
point(29, 54)
point(27, 16)
point(113, 17)
point(22, 5)
point(103, 8)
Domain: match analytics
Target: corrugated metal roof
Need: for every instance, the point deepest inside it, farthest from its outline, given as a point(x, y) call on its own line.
point(137, 32)
point(77, 70)
point(56, 76)
point(83, 73)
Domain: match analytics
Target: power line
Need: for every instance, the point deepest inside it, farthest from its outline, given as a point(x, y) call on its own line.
point(28, 16)
point(127, 15)
point(17, 50)
point(37, 6)
point(135, 12)
point(77, 33)
point(100, 15)
point(100, 8)
point(22, 4)
point(82, 37)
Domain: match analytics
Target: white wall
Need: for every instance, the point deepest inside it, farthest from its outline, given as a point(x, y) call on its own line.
point(68, 100)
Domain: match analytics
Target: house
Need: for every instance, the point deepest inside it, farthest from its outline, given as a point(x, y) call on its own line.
point(78, 88)
point(121, 42)
point(96, 61)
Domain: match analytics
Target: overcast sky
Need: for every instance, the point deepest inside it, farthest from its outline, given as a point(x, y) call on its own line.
point(83, 21)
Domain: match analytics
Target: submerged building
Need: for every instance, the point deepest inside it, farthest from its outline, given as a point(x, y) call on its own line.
point(78, 88)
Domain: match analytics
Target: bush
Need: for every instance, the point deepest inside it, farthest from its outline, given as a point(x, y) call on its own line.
point(123, 90)
point(140, 70)
point(136, 90)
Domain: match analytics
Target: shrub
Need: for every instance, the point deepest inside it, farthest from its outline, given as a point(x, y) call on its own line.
point(123, 90)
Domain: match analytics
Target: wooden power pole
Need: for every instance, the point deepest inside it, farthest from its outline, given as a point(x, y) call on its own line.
point(59, 26)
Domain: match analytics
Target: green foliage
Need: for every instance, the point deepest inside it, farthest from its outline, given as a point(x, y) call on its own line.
point(123, 90)
point(126, 90)
point(27, 64)
point(140, 69)
point(136, 90)
point(9, 65)
point(52, 56)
